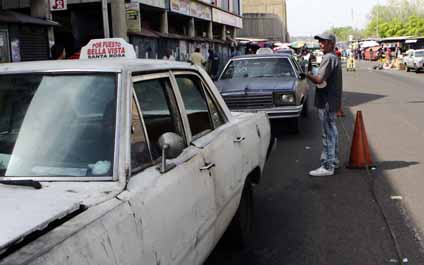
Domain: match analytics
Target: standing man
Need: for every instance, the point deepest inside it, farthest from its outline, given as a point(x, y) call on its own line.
point(328, 97)
point(197, 58)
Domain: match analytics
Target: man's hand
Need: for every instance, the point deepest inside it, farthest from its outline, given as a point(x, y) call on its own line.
point(316, 79)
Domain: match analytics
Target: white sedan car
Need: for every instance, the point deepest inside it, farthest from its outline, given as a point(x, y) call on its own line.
point(414, 59)
point(121, 161)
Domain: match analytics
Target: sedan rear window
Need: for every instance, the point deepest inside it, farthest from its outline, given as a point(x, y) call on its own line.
point(260, 67)
point(57, 125)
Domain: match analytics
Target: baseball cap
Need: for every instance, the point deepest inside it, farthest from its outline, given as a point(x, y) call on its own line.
point(326, 36)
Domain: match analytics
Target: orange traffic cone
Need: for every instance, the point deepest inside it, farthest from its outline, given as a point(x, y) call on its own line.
point(360, 156)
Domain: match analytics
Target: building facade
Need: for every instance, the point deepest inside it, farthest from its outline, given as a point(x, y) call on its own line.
point(276, 7)
point(154, 27)
point(262, 26)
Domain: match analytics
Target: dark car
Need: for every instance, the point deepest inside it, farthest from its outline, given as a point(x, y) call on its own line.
point(271, 83)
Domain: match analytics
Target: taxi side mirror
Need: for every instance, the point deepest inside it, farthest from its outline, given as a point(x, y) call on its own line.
point(171, 145)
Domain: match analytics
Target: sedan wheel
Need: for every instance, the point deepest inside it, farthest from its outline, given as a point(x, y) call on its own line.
point(305, 110)
point(295, 124)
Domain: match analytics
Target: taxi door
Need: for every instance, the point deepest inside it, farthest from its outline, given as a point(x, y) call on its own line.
point(176, 208)
point(220, 143)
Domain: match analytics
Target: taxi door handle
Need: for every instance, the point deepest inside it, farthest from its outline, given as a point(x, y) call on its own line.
point(239, 139)
point(208, 166)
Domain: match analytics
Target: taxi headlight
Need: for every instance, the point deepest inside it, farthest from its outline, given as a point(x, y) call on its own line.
point(284, 99)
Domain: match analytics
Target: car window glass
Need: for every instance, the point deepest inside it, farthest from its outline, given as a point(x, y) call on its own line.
point(216, 115)
point(296, 65)
point(158, 110)
point(419, 54)
point(140, 156)
point(196, 104)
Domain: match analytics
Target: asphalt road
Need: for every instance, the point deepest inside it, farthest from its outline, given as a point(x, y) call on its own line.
point(336, 220)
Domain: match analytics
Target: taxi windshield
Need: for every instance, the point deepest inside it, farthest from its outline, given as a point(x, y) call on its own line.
point(57, 125)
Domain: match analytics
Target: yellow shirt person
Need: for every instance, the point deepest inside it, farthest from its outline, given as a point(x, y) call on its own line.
point(197, 58)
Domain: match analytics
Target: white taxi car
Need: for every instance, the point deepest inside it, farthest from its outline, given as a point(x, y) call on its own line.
point(121, 161)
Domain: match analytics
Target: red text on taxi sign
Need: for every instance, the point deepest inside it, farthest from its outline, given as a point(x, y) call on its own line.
point(107, 48)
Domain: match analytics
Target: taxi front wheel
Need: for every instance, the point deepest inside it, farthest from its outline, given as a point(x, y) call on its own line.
point(241, 227)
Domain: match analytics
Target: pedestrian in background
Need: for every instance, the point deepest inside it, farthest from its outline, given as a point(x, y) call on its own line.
point(340, 112)
point(168, 55)
point(338, 53)
point(197, 58)
point(235, 52)
point(58, 51)
point(328, 95)
point(213, 63)
point(388, 56)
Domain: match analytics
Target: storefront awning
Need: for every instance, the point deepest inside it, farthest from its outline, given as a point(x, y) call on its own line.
point(18, 18)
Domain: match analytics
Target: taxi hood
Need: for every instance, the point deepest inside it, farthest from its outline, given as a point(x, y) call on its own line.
point(25, 210)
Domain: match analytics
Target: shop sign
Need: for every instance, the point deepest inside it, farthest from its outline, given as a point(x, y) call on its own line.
point(133, 17)
point(107, 48)
point(200, 11)
point(191, 8)
point(155, 3)
point(181, 6)
point(58, 5)
point(225, 18)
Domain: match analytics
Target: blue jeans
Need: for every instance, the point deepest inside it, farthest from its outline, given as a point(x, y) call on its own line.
point(330, 138)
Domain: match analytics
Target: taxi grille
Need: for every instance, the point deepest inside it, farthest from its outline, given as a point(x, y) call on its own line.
point(249, 101)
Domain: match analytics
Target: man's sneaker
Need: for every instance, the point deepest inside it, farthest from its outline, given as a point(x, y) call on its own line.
point(321, 172)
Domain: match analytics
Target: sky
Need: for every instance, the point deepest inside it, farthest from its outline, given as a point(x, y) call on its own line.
point(310, 17)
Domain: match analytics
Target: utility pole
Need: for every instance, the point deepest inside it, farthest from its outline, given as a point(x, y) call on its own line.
point(119, 22)
point(41, 9)
point(378, 18)
point(105, 15)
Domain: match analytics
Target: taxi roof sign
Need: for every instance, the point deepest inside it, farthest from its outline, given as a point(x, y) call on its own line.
point(108, 48)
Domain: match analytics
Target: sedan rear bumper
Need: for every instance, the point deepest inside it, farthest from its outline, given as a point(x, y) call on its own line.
point(277, 112)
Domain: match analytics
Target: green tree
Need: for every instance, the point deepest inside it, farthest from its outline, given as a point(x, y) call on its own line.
point(343, 33)
point(396, 18)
